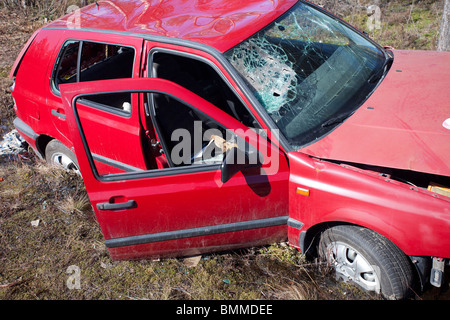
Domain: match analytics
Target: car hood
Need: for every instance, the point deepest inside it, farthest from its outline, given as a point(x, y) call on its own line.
point(405, 124)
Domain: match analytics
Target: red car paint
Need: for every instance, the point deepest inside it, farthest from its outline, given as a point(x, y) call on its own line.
point(183, 212)
point(216, 23)
point(346, 194)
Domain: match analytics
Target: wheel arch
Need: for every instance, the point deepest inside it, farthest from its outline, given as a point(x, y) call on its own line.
point(41, 143)
point(309, 236)
point(309, 242)
point(385, 224)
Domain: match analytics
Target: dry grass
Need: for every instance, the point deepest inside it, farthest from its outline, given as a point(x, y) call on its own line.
point(405, 24)
point(38, 9)
point(35, 259)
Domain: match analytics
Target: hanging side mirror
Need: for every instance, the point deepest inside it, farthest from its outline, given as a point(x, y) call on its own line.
point(237, 160)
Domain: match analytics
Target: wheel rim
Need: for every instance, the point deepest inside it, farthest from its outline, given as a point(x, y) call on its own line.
point(350, 265)
point(65, 162)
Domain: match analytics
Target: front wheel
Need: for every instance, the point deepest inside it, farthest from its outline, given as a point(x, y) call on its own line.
point(367, 259)
point(58, 154)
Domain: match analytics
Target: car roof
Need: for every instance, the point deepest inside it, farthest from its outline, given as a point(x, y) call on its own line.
point(218, 23)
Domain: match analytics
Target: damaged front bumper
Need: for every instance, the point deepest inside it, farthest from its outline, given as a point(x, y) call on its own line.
point(437, 271)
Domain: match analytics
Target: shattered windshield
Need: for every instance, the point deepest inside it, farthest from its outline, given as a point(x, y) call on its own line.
point(309, 71)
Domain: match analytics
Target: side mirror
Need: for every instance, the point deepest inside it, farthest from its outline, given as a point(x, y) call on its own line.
point(237, 160)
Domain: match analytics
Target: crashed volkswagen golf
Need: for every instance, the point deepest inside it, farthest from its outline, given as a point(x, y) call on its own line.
point(201, 126)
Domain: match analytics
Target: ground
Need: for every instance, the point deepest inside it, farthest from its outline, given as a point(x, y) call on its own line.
point(51, 246)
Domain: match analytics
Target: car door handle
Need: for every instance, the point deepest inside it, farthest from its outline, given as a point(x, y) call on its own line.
point(117, 206)
point(58, 114)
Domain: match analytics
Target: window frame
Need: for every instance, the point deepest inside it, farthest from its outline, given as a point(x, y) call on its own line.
point(132, 175)
point(159, 130)
point(158, 49)
point(150, 109)
point(58, 61)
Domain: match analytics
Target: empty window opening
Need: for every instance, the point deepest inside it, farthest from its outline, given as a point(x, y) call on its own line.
point(203, 80)
point(81, 61)
point(186, 133)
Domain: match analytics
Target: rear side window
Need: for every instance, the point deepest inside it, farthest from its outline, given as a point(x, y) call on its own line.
point(81, 61)
point(88, 61)
point(67, 66)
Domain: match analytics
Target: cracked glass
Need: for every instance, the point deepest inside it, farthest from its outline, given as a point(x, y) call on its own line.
point(310, 71)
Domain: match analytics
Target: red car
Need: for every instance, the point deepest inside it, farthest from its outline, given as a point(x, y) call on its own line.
point(201, 126)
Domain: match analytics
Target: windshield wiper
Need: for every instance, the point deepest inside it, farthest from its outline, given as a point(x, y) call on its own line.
point(337, 119)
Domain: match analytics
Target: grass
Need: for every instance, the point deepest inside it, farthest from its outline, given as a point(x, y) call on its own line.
point(35, 260)
point(405, 24)
point(38, 261)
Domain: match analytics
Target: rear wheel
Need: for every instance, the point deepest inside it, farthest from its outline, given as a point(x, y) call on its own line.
point(367, 259)
point(58, 154)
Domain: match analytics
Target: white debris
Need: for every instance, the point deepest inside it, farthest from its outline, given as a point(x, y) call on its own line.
point(192, 261)
point(35, 223)
point(11, 145)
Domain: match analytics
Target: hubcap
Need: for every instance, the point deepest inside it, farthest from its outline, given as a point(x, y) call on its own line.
point(65, 162)
point(350, 265)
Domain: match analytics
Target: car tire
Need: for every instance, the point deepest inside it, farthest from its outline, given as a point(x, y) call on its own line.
point(56, 153)
point(368, 260)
